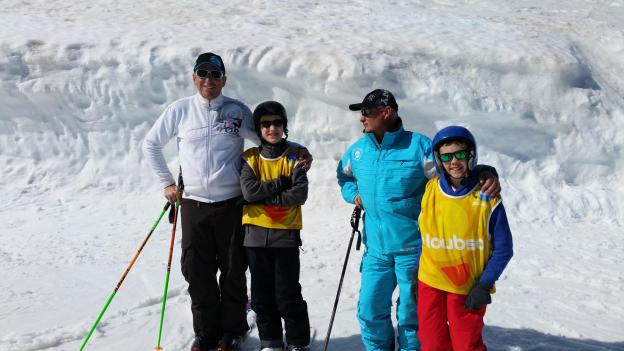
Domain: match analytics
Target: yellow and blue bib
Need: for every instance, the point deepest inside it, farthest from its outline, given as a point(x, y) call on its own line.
point(267, 169)
point(456, 242)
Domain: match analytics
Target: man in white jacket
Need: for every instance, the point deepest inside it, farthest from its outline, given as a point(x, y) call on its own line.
point(209, 129)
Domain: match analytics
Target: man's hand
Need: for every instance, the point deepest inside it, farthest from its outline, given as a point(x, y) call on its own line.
point(304, 159)
point(358, 201)
point(172, 193)
point(489, 184)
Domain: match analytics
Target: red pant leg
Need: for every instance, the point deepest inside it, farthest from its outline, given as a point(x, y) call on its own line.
point(433, 329)
point(466, 326)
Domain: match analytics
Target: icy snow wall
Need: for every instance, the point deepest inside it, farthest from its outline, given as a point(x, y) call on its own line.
point(543, 97)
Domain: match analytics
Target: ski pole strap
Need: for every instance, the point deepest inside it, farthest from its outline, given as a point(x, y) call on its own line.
point(355, 218)
point(180, 180)
point(171, 214)
point(358, 244)
point(180, 189)
point(355, 222)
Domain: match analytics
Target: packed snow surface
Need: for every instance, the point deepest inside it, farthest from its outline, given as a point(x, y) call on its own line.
point(540, 84)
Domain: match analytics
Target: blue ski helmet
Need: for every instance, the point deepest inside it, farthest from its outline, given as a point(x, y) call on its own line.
point(454, 133)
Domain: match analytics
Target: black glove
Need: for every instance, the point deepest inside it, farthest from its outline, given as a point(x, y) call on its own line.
point(478, 296)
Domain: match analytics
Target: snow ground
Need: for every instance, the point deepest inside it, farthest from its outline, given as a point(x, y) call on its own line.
point(539, 82)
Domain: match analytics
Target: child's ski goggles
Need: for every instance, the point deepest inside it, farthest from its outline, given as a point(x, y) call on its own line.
point(460, 155)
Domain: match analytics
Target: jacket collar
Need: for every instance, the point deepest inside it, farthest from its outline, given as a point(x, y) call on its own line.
point(465, 188)
point(273, 150)
point(389, 137)
point(214, 103)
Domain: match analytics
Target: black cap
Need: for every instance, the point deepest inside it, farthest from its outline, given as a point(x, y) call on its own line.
point(376, 98)
point(208, 58)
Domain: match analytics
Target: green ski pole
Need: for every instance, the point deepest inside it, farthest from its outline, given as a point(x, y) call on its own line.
point(136, 255)
point(162, 312)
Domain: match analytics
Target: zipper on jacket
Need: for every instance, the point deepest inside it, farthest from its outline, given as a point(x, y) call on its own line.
point(209, 149)
point(379, 151)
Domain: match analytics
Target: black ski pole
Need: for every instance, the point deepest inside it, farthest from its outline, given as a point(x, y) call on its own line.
point(355, 221)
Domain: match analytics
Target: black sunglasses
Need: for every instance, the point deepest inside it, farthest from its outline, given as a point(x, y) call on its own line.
point(204, 73)
point(367, 111)
point(268, 124)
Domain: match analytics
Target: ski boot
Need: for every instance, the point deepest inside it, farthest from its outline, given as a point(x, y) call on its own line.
point(298, 348)
point(271, 345)
point(199, 344)
point(230, 343)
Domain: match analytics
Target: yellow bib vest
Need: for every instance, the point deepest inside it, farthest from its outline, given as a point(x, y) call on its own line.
point(267, 169)
point(456, 242)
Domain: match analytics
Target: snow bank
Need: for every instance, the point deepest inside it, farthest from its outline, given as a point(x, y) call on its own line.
point(545, 103)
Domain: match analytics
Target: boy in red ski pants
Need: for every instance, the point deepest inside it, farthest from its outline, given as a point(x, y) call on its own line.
point(466, 244)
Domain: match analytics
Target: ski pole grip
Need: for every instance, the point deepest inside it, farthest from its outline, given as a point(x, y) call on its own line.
point(355, 218)
point(172, 214)
point(180, 189)
point(180, 180)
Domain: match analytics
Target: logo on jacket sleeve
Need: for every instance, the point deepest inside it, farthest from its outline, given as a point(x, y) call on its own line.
point(357, 154)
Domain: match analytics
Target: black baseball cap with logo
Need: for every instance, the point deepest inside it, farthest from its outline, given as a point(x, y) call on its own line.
point(209, 58)
point(376, 98)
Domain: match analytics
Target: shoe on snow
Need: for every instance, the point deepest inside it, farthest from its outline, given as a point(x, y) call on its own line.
point(199, 344)
point(230, 343)
point(272, 345)
point(298, 348)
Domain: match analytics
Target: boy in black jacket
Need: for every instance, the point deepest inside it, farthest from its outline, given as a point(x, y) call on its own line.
point(275, 186)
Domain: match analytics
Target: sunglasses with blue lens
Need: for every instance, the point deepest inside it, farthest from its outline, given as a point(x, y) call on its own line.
point(460, 155)
point(204, 73)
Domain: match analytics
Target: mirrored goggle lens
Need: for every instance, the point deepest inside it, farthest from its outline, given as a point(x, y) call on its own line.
point(203, 73)
point(460, 155)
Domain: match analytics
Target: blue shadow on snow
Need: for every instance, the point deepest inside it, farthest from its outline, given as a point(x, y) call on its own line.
point(498, 339)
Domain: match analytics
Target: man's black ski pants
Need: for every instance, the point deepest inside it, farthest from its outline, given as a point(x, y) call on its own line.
point(212, 239)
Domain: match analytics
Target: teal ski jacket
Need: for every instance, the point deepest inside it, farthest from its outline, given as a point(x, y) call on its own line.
point(390, 178)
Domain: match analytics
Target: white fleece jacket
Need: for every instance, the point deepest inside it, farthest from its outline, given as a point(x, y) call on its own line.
point(210, 144)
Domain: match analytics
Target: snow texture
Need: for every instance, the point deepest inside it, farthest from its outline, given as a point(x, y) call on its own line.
point(540, 84)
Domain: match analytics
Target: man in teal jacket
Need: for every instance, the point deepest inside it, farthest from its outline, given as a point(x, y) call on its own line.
point(385, 173)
